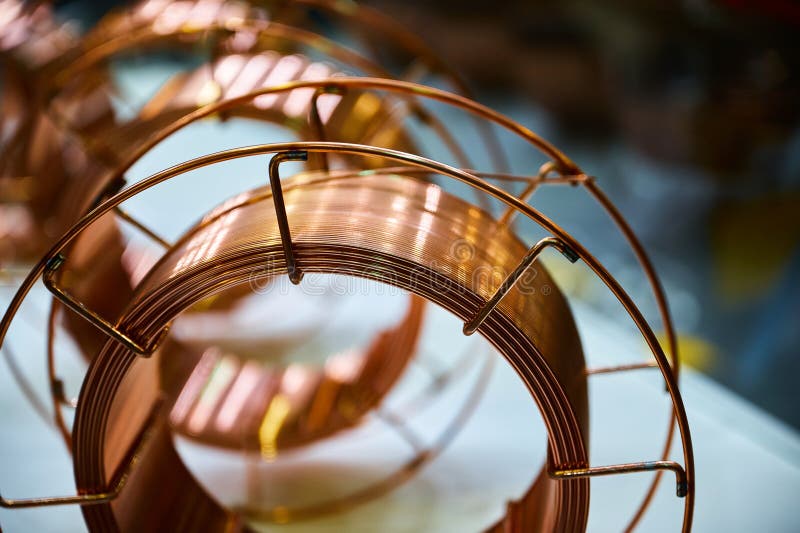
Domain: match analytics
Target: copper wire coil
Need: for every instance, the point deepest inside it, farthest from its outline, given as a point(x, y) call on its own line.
point(395, 250)
point(562, 163)
point(566, 477)
point(646, 269)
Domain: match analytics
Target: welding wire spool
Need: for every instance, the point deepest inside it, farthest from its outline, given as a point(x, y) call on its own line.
point(670, 339)
point(386, 244)
point(560, 163)
point(561, 458)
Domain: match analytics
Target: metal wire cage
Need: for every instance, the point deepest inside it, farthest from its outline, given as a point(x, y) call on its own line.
point(116, 462)
point(563, 467)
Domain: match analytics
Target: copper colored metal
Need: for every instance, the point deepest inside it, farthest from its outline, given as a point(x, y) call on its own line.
point(471, 180)
point(86, 313)
point(295, 274)
point(484, 312)
point(120, 390)
point(325, 243)
point(621, 368)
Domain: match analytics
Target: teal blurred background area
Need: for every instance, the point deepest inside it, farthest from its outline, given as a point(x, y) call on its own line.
point(687, 113)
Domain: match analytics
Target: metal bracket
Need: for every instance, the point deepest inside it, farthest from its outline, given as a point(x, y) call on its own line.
point(682, 487)
point(471, 326)
point(295, 274)
point(93, 318)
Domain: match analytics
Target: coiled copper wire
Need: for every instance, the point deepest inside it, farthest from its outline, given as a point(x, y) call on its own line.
point(561, 162)
point(569, 482)
point(565, 167)
point(355, 227)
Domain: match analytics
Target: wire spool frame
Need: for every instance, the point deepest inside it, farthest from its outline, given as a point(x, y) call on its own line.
point(558, 471)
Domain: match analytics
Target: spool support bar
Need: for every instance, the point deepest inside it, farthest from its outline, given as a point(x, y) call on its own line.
point(627, 468)
point(92, 317)
point(295, 274)
point(471, 326)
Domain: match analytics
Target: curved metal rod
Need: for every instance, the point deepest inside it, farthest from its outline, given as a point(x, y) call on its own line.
point(344, 148)
point(627, 468)
point(58, 416)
